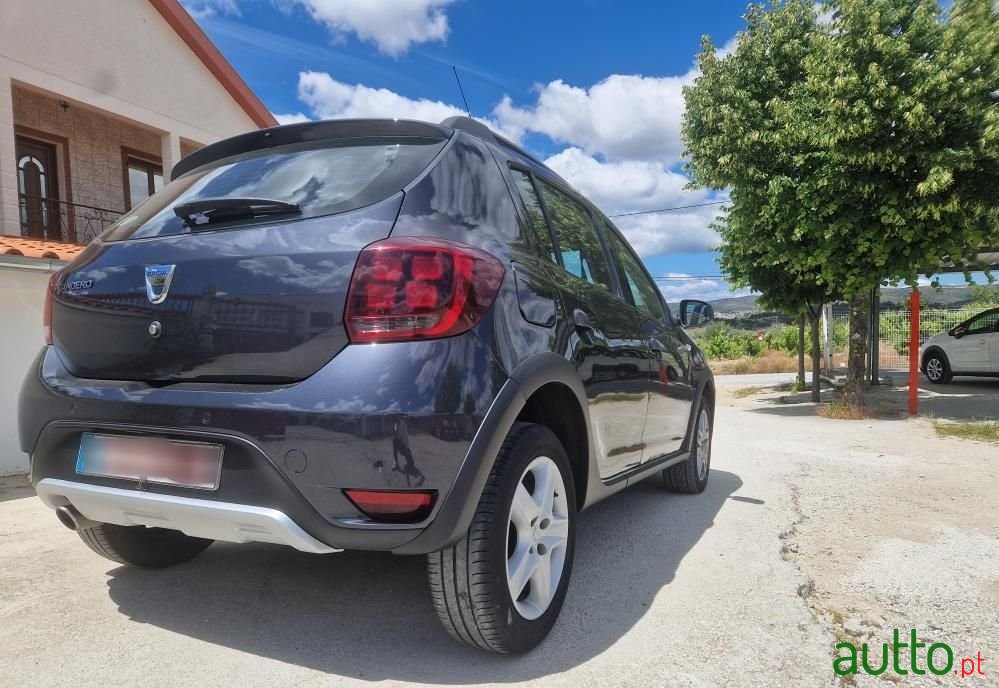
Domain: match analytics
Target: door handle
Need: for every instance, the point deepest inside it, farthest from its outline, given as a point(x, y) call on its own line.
point(582, 321)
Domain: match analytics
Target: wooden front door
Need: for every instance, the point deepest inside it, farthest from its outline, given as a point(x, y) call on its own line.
point(38, 188)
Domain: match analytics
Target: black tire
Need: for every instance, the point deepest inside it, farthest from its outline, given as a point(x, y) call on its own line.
point(152, 548)
point(936, 368)
point(684, 477)
point(468, 582)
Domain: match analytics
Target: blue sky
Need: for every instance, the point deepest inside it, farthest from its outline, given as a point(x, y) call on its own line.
point(592, 86)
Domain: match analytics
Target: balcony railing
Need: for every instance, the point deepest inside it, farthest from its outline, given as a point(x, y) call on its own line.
point(55, 220)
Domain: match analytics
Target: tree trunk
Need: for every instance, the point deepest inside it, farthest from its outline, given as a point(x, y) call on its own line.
point(816, 358)
point(801, 348)
point(853, 392)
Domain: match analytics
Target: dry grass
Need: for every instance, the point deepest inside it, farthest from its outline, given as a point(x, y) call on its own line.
point(841, 410)
point(983, 431)
point(742, 392)
point(770, 362)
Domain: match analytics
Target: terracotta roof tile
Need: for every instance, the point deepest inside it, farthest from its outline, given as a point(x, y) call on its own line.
point(38, 248)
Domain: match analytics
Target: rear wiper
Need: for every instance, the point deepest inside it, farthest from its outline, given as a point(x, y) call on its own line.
point(205, 211)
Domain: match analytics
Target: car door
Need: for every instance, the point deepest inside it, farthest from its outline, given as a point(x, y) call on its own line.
point(669, 382)
point(607, 345)
point(970, 347)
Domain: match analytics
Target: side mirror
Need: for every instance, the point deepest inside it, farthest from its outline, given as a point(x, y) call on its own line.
point(695, 313)
point(958, 332)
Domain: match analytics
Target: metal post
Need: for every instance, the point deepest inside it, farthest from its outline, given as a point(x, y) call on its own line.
point(914, 354)
point(875, 329)
point(827, 342)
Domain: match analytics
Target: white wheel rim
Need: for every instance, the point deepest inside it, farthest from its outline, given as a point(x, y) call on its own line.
point(537, 537)
point(934, 369)
point(703, 444)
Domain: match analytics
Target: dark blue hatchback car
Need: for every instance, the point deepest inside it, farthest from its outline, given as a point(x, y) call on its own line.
point(365, 334)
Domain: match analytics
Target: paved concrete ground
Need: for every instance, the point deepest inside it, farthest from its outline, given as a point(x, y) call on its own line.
point(810, 531)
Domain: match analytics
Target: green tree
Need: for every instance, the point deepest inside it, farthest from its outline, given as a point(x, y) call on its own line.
point(857, 150)
point(736, 132)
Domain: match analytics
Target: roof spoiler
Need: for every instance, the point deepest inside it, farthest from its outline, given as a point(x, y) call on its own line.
point(305, 132)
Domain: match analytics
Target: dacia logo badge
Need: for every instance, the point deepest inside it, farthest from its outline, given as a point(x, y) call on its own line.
point(158, 279)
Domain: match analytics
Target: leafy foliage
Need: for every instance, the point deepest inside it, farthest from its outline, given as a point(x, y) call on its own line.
point(857, 150)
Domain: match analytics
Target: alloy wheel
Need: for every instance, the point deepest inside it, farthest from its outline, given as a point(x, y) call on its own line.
point(934, 369)
point(537, 538)
point(703, 444)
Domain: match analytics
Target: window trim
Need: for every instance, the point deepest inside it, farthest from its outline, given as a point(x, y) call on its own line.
point(147, 162)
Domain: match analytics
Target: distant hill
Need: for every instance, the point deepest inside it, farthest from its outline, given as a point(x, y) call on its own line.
point(945, 297)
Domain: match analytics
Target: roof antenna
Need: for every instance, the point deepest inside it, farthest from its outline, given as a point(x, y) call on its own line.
point(462, 90)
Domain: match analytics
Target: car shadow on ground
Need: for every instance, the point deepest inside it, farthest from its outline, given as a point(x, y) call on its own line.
point(368, 615)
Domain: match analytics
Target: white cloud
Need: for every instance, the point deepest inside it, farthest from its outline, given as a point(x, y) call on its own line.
point(391, 25)
point(621, 117)
point(636, 186)
point(679, 286)
point(328, 98)
point(200, 9)
point(729, 47)
point(292, 118)
point(627, 186)
point(659, 234)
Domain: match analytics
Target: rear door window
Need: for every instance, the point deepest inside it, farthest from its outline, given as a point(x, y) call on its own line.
point(321, 178)
point(578, 243)
point(535, 217)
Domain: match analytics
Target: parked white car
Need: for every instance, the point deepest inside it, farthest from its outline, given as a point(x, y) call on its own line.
point(971, 348)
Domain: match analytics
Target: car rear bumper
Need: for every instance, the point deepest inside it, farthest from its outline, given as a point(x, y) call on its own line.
point(290, 450)
point(196, 517)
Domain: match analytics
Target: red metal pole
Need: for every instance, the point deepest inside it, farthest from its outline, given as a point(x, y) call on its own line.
point(914, 354)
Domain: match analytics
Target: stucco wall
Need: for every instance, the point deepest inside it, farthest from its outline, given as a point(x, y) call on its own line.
point(95, 143)
point(22, 298)
point(123, 49)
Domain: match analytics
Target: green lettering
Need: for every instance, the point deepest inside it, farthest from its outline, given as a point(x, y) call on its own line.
point(851, 659)
point(884, 660)
point(915, 646)
point(896, 646)
point(929, 659)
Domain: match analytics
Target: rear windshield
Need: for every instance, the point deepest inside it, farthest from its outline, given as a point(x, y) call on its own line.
point(324, 178)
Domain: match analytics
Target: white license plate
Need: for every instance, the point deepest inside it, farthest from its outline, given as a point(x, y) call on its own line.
point(151, 459)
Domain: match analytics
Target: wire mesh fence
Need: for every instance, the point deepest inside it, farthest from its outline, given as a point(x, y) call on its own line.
point(895, 326)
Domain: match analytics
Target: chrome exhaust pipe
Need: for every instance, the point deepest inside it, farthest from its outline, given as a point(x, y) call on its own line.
point(70, 517)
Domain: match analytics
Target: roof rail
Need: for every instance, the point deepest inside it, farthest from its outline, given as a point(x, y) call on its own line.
point(479, 129)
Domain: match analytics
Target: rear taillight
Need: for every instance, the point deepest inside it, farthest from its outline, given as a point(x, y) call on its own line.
point(411, 506)
point(47, 312)
point(414, 288)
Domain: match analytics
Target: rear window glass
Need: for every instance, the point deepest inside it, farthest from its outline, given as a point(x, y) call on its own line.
point(321, 179)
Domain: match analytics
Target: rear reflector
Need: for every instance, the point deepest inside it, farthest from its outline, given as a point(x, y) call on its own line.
point(47, 312)
point(393, 507)
point(415, 288)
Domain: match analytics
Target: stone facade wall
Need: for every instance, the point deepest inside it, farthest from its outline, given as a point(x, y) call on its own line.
point(95, 146)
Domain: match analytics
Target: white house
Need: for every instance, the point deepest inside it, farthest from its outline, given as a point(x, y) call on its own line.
point(98, 101)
